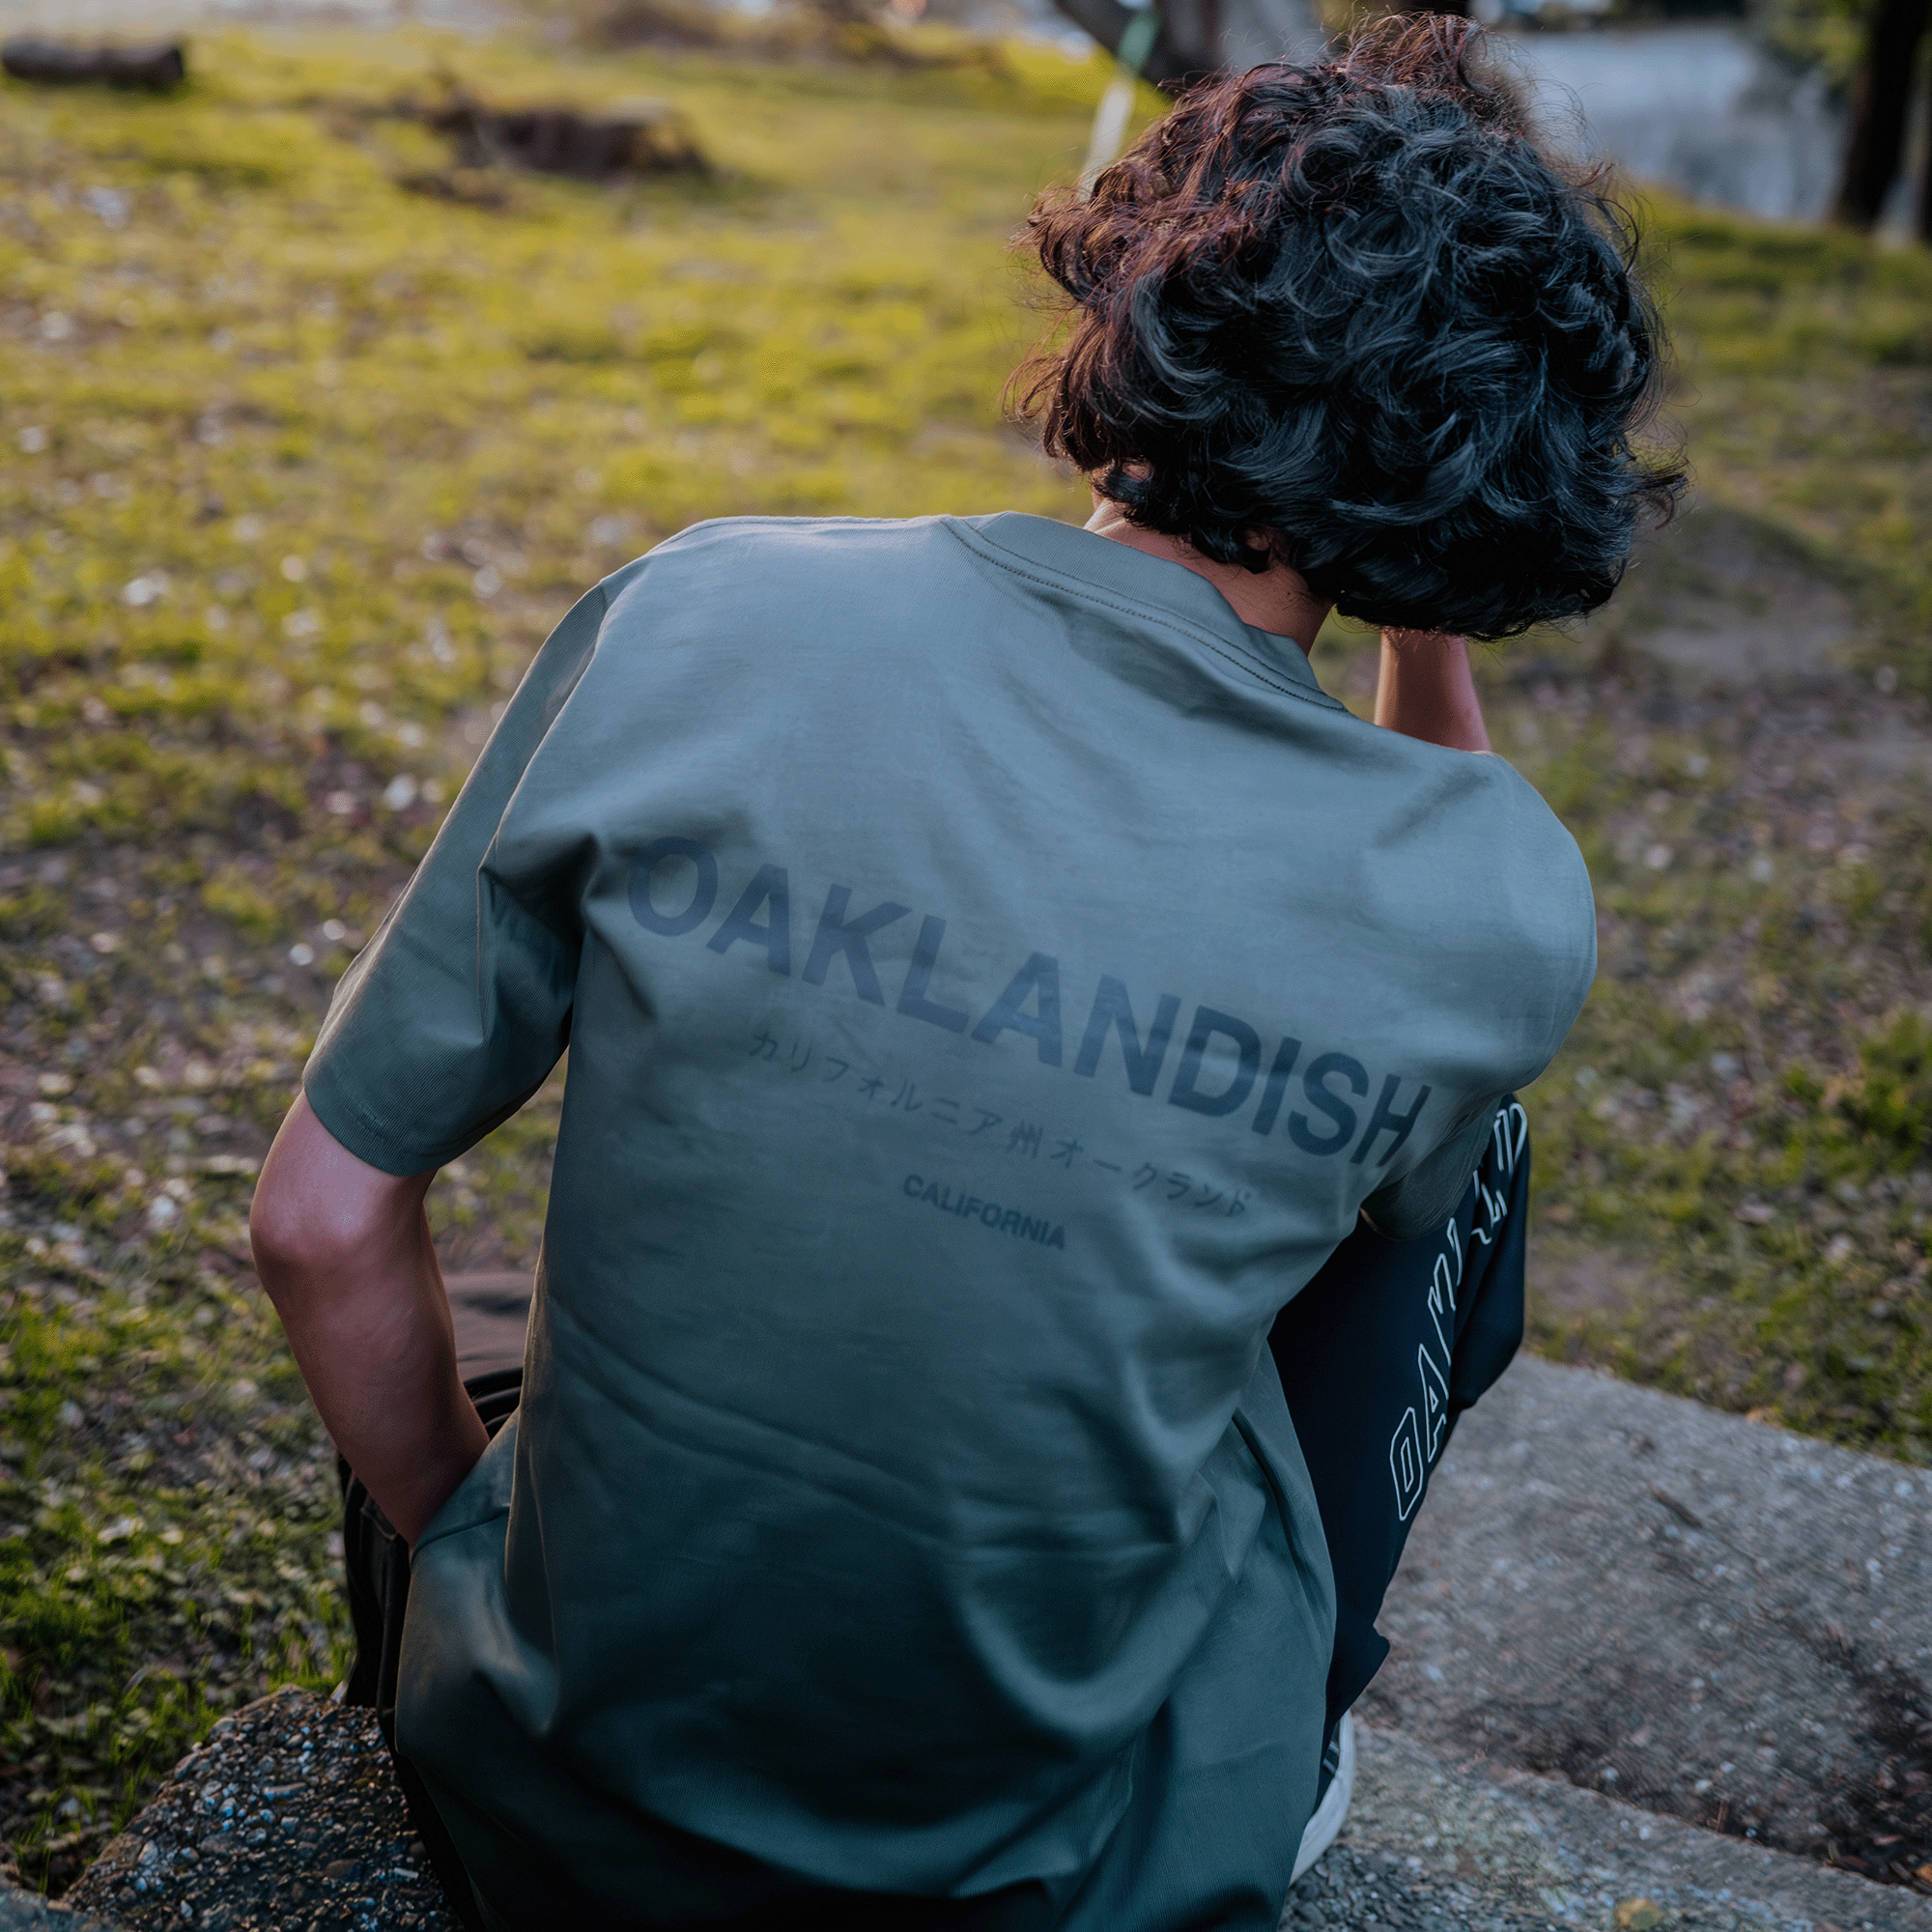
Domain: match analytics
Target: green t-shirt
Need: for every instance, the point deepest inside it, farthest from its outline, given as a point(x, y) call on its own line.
point(995, 978)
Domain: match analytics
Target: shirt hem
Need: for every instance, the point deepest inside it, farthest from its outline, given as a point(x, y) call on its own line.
point(363, 1136)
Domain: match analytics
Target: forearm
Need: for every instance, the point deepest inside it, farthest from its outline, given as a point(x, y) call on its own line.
point(1426, 689)
point(344, 1254)
point(376, 1348)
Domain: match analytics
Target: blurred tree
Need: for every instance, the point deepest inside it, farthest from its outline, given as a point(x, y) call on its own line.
point(1198, 36)
point(1881, 102)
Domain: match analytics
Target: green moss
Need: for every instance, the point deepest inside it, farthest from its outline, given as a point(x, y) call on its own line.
point(1804, 358)
point(170, 1509)
point(303, 465)
point(231, 894)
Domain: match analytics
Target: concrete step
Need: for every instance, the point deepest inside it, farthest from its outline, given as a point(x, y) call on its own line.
point(1432, 1845)
point(287, 1816)
point(1711, 1619)
point(1437, 1841)
point(1629, 1631)
point(1706, 1617)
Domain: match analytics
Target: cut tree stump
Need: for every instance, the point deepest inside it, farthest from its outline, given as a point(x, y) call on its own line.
point(159, 66)
point(643, 138)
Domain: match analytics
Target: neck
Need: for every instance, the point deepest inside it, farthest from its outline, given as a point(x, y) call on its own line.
point(1274, 600)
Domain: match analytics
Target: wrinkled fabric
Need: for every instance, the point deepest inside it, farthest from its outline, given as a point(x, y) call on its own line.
point(995, 979)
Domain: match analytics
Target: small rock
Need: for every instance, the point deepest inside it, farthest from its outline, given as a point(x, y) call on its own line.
point(1638, 1915)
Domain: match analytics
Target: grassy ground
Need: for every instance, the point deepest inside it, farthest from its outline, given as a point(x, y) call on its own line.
point(1737, 1189)
point(301, 462)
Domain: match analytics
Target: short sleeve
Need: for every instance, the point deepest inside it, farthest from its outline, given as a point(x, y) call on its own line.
point(1545, 962)
point(456, 1012)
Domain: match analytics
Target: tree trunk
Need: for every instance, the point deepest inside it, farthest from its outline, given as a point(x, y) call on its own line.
point(1880, 105)
point(1925, 181)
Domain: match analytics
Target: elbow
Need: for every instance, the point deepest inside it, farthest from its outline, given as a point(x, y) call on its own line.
point(290, 1242)
point(276, 1234)
point(321, 1216)
point(303, 1234)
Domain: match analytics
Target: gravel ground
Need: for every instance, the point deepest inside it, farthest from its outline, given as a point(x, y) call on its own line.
point(286, 1820)
point(1353, 1888)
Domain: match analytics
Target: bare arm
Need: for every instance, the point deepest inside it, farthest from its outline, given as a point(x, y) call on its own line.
point(1425, 690)
point(344, 1251)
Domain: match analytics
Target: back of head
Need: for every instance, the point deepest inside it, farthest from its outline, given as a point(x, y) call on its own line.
point(1346, 315)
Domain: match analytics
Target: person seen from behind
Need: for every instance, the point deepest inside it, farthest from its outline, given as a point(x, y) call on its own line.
point(1039, 1172)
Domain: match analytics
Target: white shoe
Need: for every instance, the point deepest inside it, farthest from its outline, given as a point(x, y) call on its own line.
point(1321, 1829)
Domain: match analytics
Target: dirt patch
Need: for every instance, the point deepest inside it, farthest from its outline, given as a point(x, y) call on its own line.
point(1567, 1284)
point(1725, 604)
point(1882, 1826)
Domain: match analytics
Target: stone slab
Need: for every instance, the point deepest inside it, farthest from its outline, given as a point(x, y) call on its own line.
point(1513, 1848)
point(1606, 1588)
point(1707, 1617)
point(287, 1818)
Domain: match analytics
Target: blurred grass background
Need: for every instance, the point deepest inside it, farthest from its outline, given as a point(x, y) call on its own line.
point(300, 463)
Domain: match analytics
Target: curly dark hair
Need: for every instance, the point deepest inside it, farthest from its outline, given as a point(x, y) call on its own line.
point(1347, 316)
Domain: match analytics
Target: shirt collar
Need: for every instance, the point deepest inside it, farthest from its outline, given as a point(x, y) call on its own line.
point(1152, 582)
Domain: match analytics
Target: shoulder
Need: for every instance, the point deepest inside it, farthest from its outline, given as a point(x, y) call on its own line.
point(743, 556)
point(1485, 821)
point(1539, 845)
point(1520, 812)
point(1524, 869)
point(1462, 856)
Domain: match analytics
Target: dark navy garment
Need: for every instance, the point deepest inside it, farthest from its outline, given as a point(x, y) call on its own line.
point(1378, 1355)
